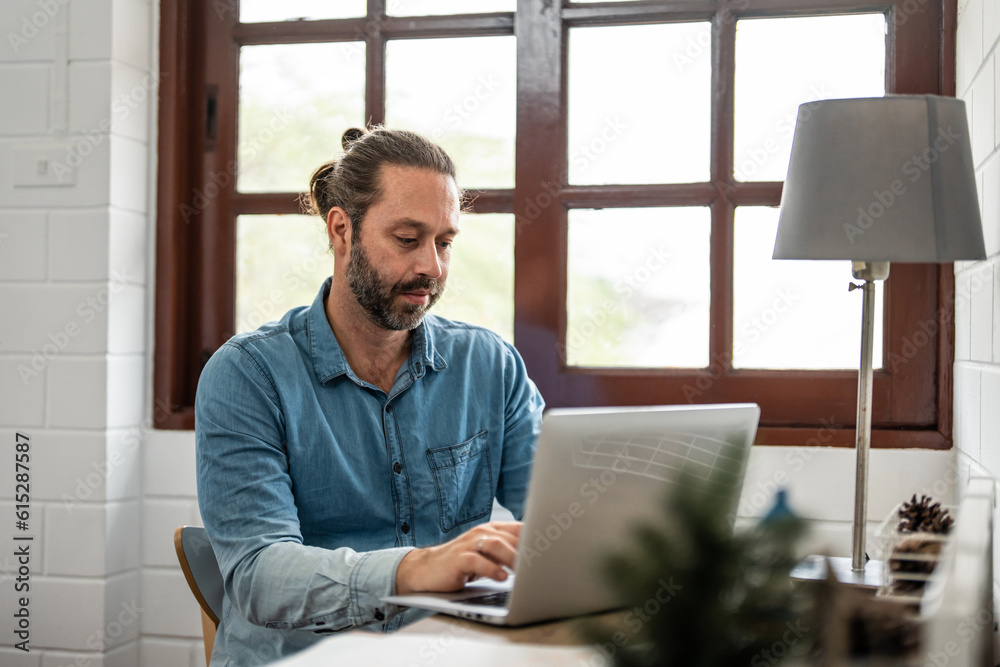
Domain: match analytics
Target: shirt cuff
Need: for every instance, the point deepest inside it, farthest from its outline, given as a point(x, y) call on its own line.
point(372, 578)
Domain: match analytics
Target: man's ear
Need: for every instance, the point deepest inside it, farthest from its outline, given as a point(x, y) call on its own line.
point(338, 230)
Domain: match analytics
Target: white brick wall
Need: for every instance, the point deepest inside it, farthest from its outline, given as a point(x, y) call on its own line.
point(108, 492)
point(73, 339)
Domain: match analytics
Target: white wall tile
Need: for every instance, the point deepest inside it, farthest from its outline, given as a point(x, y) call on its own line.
point(129, 169)
point(989, 194)
point(996, 313)
point(967, 395)
point(12, 657)
point(989, 454)
point(70, 467)
point(983, 115)
point(73, 609)
point(90, 30)
point(126, 390)
point(23, 237)
point(88, 157)
point(127, 250)
point(27, 111)
point(170, 607)
point(127, 321)
point(991, 24)
point(78, 244)
point(160, 652)
point(90, 97)
point(963, 316)
point(78, 392)
point(52, 319)
point(169, 465)
point(122, 612)
point(28, 32)
point(969, 45)
point(123, 536)
point(160, 518)
point(131, 23)
point(75, 540)
point(22, 394)
point(123, 656)
point(124, 467)
point(981, 332)
point(132, 88)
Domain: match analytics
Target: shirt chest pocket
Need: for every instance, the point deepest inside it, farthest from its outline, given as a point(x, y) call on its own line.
point(463, 478)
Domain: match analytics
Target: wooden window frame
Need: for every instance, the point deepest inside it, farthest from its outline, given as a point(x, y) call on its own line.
point(198, 205)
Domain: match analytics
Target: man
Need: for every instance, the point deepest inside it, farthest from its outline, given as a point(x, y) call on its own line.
point(353, 449)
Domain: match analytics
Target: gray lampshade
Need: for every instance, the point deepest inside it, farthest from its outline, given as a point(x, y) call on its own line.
point(881, 179)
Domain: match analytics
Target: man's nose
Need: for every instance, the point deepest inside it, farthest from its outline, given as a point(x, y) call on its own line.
point(429, 262)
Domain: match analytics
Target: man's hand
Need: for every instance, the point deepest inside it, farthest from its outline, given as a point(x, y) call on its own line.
point(481, 552)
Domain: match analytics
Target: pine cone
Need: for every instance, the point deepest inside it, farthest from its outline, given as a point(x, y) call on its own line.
point(922, 516)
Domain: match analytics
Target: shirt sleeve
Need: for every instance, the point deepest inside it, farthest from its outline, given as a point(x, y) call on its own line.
point(245, 495)
point(523, 406)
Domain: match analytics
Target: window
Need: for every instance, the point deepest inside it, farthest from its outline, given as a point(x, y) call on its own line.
point(621, 235)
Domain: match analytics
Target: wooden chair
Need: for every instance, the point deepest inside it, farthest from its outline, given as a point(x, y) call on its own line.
point(201, 570)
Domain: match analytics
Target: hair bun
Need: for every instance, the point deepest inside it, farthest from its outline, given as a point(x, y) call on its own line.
point(350, 136)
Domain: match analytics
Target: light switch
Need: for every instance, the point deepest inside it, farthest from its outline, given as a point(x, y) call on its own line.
point(48, 165)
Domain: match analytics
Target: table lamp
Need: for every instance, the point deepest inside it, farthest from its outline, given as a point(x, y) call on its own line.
point(874, 181)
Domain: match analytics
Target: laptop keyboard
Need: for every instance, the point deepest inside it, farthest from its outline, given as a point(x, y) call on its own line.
point(498, 599)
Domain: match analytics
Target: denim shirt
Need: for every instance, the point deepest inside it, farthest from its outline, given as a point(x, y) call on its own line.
point(313, 484)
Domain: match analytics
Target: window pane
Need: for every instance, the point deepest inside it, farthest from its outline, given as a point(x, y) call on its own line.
point(470, 111)
point(255, 11)
point(281, 260)
point(639, 108)
point(480, 288)
point(782, 63)
point(436, 7)
point(295, 101)
point(638, 287)
point(793, 314)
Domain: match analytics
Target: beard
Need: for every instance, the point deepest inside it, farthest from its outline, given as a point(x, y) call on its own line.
point(377, 297)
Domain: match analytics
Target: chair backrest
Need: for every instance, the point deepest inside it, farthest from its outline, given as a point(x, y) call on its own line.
point(201, 569)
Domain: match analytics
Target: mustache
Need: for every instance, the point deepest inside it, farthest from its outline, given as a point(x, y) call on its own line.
point(421, 284)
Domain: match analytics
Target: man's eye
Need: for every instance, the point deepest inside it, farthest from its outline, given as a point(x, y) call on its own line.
point(445, 244)
point(405, 240)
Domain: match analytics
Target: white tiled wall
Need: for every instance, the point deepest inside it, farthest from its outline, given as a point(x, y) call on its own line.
point(977, 312)
point(108, 491)
point(73, 288)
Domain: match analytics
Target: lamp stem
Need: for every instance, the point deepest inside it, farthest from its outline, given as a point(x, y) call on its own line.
point(869, 272)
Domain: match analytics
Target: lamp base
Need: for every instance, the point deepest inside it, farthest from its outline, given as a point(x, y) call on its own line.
point(814, 568)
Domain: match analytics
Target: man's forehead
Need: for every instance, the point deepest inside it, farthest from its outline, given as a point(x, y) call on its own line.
point(420, 226)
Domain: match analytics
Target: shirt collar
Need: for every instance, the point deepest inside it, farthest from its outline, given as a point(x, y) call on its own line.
point(329, 360)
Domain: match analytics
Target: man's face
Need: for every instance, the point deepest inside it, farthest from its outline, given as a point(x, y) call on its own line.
point(398, 267)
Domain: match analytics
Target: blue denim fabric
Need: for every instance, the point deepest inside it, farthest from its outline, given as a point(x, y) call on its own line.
point(314, 484)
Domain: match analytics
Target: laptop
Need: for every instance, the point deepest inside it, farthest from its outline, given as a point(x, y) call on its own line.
point(598, 472)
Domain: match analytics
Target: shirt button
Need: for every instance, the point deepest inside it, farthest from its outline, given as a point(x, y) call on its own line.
point(396, 468)
point(379, 616)
point(405, 528)
point(388, 408)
